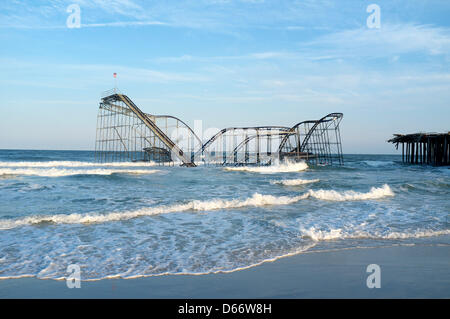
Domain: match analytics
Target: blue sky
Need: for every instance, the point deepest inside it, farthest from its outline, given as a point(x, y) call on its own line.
point(227, 63)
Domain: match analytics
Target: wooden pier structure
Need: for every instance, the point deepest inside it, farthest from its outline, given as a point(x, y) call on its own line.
point(424, 148)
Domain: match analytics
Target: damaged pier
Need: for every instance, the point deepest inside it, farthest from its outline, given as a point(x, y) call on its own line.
point(424, 148)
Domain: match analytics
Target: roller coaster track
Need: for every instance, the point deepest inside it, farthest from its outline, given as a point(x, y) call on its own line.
point(223, 131)
point(327, 118)
point(153, 127)
point(125, 133)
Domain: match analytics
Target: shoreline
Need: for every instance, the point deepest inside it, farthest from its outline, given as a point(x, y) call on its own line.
point(413, 271)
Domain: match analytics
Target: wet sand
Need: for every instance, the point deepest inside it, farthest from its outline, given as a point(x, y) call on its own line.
point(406, 272)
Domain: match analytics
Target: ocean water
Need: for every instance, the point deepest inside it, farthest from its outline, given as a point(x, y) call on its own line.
point(131, 220)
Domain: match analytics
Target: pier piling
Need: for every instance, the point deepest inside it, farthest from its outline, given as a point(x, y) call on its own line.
point(424, 148)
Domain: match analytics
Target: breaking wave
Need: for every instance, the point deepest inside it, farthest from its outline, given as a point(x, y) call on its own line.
point(75, 164)
point(257, 200)
point(279, 168)
point(332, 195)
point(295, 182)
point(59, 172)
point(215, 204)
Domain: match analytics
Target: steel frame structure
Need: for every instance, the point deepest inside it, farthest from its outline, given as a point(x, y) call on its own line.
point(125, 133)
point(316, 141)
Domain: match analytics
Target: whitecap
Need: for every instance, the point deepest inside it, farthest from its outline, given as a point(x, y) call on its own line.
point(295, 182)
point(60, 172)
point(332, 195)
point(287, 167)
point(257, 200)
point(75, 164)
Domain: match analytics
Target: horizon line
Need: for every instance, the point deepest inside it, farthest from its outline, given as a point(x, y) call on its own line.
point(82, 150)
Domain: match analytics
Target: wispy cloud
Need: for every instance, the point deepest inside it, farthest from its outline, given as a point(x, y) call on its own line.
point(39, 74)
point(212, 15)
point(124, 8)
point(267, 55)
point(389, 40)
point(124, 24)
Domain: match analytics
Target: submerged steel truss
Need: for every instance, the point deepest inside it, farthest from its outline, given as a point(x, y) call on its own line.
point(125, 133)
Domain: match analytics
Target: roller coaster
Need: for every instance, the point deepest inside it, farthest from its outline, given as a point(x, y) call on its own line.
point(125, 133)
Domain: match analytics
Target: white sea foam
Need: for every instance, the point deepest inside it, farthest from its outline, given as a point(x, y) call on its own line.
point(416, 234)
point(256, 200)
point(47, 274)
point(334, 234)
point(59, 172)
point(287, 167)
point(75, 164)
point(295, 182)
point(332, 195)
point(318, 235)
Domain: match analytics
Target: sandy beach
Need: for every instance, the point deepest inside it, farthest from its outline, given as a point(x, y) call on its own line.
point(406, 272)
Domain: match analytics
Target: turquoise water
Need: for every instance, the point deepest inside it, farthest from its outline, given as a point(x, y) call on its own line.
point(134, 219)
